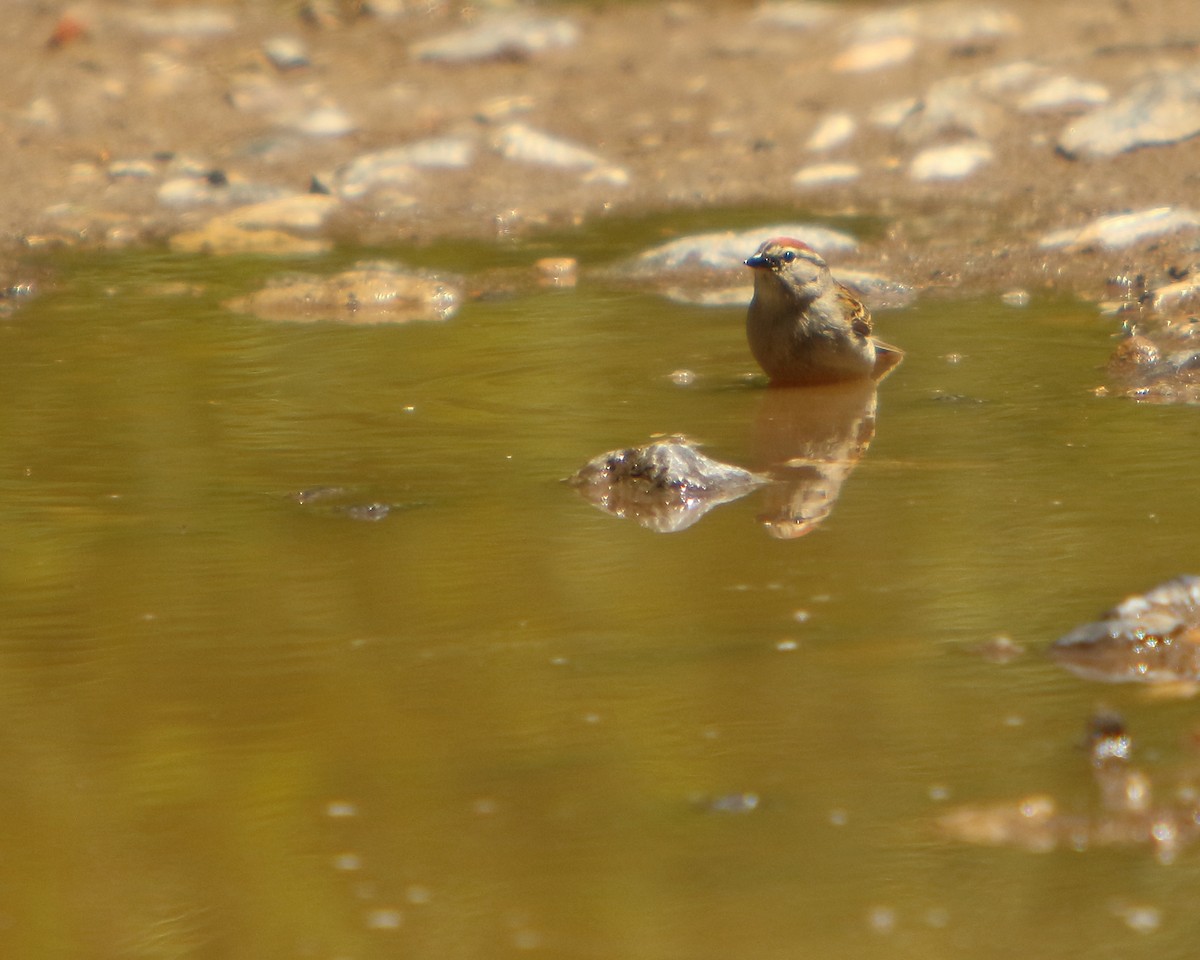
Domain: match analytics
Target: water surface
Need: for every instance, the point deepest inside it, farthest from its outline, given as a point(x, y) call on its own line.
point(495, 722)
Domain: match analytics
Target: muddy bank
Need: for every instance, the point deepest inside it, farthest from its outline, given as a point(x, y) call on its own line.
point(984, 140)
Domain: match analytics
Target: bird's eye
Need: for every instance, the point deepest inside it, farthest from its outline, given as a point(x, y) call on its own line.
point(788, 256)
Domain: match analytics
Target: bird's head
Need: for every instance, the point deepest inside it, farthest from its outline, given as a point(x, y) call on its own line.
point(794, 264)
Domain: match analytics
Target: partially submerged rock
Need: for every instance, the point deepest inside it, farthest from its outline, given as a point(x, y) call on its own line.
point(1158, 358)
point(666, 486)
point(369, 293)
point(710, 268)
point(1147, 638)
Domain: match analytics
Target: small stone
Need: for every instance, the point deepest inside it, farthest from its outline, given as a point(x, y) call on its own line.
point(504, 107)
point(1063, 92)
point(516, 141)
point(953, 162)
point(825, 175)
point(834, 130)
point(327, 121)
point(132, 169)
point(286, 53)
point(875, 55)
point(500, 36)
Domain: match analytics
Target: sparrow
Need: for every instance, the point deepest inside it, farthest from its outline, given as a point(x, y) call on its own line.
point(806, 328)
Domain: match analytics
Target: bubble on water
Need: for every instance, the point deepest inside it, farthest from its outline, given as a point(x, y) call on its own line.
point(937, 917)
point(417, 894)
point(881, 919)
point(347, 861)
point(384, 919)
point(339, 809)
point(1139, 917)
point(838, 817)
point(786, 645)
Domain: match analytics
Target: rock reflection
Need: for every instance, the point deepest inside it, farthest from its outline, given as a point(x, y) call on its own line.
point(806, 440)
point(1128, 814)
point(1148, 638)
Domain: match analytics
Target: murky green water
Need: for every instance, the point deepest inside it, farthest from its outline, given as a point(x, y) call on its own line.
point(492, 723)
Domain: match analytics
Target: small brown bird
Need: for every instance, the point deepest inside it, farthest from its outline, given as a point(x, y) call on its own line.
point(806, 328)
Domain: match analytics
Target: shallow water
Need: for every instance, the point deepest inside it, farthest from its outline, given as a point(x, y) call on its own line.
point(500, 722)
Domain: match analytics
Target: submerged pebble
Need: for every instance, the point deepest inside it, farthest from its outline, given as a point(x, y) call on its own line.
point(369, 293)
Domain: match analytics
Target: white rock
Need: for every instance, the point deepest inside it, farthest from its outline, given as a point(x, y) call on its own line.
point(499, 35)
point(727, 250)
point(832, 131)
point(286, 53)
point(1123, 230)
point(329, 121)
point(516, 141)
point(870, 55)
point(1161, 109)
point(825, 174)
point(398, 165)
point(953, 162)
point(1063, 92)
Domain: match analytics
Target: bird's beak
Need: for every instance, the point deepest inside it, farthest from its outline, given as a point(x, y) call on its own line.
point(757, 262)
